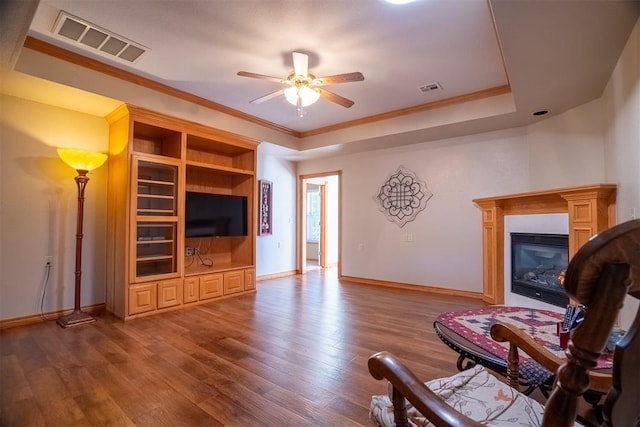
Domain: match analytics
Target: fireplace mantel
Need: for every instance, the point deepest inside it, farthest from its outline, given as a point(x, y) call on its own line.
point(591, 209)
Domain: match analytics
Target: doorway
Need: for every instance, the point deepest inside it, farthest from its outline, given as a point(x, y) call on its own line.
point(319, 228)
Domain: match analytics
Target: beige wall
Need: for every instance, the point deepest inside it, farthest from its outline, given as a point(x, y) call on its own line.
point(38, 210)
point(555, 147)
point(276, 253)
point(446, 249)
point(621, 107)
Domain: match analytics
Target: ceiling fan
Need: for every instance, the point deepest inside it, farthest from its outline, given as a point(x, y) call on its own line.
point(303, 88)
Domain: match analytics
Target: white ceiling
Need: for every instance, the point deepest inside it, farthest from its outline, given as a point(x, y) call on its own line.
point(553, 55)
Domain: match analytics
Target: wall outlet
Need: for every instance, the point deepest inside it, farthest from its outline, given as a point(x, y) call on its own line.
point(189, 251)
point(48, 259)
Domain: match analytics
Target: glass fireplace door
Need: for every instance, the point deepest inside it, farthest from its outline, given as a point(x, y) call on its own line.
point(538, 265)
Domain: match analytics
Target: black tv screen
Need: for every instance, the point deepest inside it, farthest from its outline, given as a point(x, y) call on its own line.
point(214, 215)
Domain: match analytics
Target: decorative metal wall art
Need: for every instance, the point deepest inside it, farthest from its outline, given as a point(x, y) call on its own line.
point(265, 212)
point(402, 196)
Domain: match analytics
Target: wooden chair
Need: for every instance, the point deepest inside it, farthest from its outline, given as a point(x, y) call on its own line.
point(600, 275)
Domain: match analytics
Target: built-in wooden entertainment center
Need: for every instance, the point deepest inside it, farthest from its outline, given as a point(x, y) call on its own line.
point(153, 161)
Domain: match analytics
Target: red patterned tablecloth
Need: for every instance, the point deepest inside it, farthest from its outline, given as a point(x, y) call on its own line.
point(474, 325)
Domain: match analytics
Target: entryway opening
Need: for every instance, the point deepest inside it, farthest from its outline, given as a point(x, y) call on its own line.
point(319, 222)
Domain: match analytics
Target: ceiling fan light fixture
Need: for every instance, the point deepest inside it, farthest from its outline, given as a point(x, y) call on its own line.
point(303, 88)
point(291, 93)
point(306, 94)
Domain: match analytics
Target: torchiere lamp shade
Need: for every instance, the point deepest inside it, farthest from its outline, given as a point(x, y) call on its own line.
point(82, 159)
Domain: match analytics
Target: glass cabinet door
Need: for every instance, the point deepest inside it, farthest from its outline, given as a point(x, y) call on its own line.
point(156, 219)
point(156, 248)
point(157, 187)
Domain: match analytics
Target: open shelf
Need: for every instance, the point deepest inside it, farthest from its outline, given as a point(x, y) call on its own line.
point(150, 139)
point(219, 168)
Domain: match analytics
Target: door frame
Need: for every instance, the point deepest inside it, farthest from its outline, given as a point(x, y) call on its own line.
point(322, 244)
point(301, 209)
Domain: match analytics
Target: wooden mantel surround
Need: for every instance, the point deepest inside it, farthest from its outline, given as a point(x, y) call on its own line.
point(591, 209)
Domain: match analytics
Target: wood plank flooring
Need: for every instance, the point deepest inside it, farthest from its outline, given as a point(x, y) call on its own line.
point(293, 354)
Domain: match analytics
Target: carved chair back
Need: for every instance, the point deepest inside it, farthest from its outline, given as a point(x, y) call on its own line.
point(600, 276)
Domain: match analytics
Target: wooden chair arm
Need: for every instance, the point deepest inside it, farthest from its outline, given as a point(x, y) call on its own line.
point(384, 365)
point(505, 332)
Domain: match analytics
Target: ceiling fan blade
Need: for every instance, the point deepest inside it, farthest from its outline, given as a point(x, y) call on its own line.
point(341, 100)
point(260, 76)
point(339, 78)
point(267, 97)
point(300, 64)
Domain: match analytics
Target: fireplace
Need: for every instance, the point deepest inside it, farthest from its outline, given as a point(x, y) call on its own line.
point(538, 264)
point(589, 209)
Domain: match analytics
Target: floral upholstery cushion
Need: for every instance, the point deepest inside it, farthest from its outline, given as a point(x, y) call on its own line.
point(475, 393)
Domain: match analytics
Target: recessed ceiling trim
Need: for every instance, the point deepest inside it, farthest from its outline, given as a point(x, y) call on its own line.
point(96, 39)
point(77, 59)
point(460, 99)
point(107, 69)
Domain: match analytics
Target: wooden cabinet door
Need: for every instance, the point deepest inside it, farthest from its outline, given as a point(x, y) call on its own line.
point(142, 298)
point(169, 293)
point(233, 282)
point(210, 286)
point(191, 289)
point(249, 279)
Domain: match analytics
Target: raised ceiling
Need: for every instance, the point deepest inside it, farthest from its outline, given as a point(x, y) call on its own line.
point(496, 61)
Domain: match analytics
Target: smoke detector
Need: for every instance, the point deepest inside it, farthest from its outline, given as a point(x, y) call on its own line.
point(92, 37)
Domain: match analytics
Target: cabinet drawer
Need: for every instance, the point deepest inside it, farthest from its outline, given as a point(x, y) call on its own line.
point(249, 279)
point(142, 298)
point(191, 289)
point(233, 282)
point(210, 286)
point(169, 293)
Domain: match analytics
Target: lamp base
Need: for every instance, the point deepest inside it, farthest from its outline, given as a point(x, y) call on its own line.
point(76, 318)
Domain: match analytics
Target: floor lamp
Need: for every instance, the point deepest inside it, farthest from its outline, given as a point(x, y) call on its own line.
point(83, 162)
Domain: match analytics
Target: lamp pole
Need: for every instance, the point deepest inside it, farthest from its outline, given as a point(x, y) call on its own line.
point(78, 317)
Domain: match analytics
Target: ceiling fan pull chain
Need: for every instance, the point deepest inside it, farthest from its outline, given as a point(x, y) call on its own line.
point(299, 108)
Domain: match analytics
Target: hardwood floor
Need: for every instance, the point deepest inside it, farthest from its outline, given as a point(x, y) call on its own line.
point(293, 354)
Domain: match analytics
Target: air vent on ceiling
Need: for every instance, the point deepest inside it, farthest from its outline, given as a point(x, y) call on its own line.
point(429, 87)
point(97, 39)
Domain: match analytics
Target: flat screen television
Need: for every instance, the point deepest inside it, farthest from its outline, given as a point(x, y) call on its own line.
point(215, 215)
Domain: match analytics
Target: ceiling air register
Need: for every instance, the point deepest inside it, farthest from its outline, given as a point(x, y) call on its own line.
point(94, 38)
